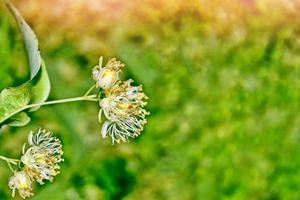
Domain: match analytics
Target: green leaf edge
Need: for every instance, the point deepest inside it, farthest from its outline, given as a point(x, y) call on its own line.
point(39, 84)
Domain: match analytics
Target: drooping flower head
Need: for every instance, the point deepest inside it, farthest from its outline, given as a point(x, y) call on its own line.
point(123, 107)
point(122, 104)
point(42, 158)
point(123, 129)
point(107, 76)
point(21, 182)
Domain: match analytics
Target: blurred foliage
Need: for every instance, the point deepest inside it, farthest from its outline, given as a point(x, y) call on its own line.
point(223, 79)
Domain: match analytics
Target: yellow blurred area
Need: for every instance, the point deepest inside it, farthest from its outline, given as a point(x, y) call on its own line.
point(91, 18)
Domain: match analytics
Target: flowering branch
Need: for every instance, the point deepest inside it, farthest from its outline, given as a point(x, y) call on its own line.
point(121, 104)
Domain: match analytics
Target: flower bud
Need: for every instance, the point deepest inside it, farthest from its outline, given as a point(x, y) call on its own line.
point(107, 76)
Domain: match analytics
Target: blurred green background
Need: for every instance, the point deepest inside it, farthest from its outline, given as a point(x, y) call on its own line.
point(223, 79)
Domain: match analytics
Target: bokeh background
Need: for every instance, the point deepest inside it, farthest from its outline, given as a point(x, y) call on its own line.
point(223, 77)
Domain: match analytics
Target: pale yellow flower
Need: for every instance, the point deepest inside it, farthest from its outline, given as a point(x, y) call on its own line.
point(123, 101)
point(42, 158)
point(122, 104)
point(107, 76)
point(123, 107)
point(122, 129)
point(21, 182)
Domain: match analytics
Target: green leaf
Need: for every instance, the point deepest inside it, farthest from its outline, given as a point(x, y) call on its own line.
point(40, 86)
point(20, 119)
point(13, 101)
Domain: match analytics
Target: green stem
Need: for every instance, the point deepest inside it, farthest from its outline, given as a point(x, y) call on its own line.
point(10, 167)
point(89, 91)
point(74, 99)
point(10, 161)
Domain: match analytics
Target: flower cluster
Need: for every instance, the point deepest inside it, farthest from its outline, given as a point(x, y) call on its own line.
point(38, 163)
point(122, 105)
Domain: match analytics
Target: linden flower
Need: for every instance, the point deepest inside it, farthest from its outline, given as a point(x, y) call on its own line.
point(42, 158)
point(123, 107)
point(22, 182)
point(124, 100)
point(120, 130)
point(107, 76)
